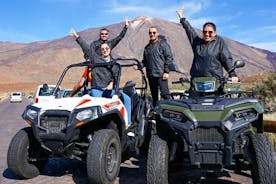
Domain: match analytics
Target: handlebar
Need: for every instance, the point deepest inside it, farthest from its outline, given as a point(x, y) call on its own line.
point(176, 82)
point(181, 81)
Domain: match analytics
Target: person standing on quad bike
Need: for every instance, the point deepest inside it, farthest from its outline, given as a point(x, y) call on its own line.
point(103, 78)
point(157, 57)
point(211, 53)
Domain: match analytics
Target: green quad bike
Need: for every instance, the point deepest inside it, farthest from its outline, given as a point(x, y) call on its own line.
point(210, 132)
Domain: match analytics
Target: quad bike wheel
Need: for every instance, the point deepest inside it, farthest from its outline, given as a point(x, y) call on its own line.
point(263, 160)
point(145, 128)
point(104, 157)
point(157, 164)
point(20, 149)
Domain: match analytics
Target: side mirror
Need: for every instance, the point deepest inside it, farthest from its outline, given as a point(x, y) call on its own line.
point(182, 80)
point(239, 64)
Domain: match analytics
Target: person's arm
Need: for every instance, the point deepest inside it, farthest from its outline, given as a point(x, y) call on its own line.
point(115, 77)
point(77, 87)
point(190, 31)
point(112, 43)
point(84, 46)
point(168, 56)
point(168, 59)
point(87, 49)
point(109, 86)
point(143, 63)
point(227, 61)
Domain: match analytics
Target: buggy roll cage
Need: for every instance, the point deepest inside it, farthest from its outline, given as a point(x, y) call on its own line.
point(120, 62)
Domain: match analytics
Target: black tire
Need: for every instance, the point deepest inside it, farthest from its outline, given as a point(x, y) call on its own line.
point(144, 142)
point(157, 163)
point(18, 155)
point(104, 157)
point(263, 167)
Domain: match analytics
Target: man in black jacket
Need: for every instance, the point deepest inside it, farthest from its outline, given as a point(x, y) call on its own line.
point(157, 58)
point(211, 53)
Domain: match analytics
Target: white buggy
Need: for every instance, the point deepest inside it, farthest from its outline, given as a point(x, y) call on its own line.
point(91, 129)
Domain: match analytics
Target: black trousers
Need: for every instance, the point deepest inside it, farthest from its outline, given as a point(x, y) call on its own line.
point(156, 83)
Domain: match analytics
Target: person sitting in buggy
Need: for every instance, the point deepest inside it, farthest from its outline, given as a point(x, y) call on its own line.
point(104, 77)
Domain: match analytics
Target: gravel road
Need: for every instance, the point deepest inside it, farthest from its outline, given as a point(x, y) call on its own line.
point(59, 171)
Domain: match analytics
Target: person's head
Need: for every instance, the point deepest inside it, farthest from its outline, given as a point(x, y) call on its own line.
point(104, 34)
point(209, 31)
point(105, 50)
point(153, 33)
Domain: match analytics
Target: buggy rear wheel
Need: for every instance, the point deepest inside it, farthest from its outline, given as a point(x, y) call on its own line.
point(157, 164)
point(104, 157)
point(20, 149)
point(263, 166)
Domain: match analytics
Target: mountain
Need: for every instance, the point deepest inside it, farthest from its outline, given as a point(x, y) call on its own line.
point(40, 62)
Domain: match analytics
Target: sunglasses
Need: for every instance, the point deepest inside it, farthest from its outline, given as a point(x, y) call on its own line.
point(152, 32)
point(209, 32)
point(104, 33)
point(104, 48)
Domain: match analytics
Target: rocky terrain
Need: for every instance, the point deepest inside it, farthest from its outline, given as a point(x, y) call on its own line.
point(24, 66)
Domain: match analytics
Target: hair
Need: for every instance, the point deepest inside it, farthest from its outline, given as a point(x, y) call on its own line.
point(105, 44)
point(155, 26)
point(210, 24)
point(104, 29)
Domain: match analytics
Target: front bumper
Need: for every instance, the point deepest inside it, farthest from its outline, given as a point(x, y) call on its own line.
point(203, 143)
point(54, 132)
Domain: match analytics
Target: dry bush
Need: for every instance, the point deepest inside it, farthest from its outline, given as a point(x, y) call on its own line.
point(266, 91)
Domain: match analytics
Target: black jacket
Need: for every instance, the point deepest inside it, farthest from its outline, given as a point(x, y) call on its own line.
point(157, 57)
point(209, 59)
point(103, 75)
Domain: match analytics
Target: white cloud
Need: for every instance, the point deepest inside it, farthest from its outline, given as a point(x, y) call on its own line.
point(62, 1)
point(263, 40)
point(130, 9)
point(271, 46)
point(269, 29)
point(146, 8)
point(192, 7)
point(15, 36)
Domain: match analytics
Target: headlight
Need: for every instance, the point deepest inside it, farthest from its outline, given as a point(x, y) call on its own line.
point(244, 114)
point(205, 87)
point(177, 116)
point(32, 114)
point(240, 117)
point(87, 114)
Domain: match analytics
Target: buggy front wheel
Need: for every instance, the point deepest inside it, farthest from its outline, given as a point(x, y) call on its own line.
point(21, 148)
point(104, 157)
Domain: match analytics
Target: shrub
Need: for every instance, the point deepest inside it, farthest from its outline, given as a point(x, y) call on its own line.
point(265, 92)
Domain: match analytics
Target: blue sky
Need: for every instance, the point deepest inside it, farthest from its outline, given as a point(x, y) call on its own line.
point(24, 21)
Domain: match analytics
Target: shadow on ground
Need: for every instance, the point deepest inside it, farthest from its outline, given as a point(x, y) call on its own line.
point(132, 171)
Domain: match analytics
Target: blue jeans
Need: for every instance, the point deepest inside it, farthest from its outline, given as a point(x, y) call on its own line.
point(108, 94)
